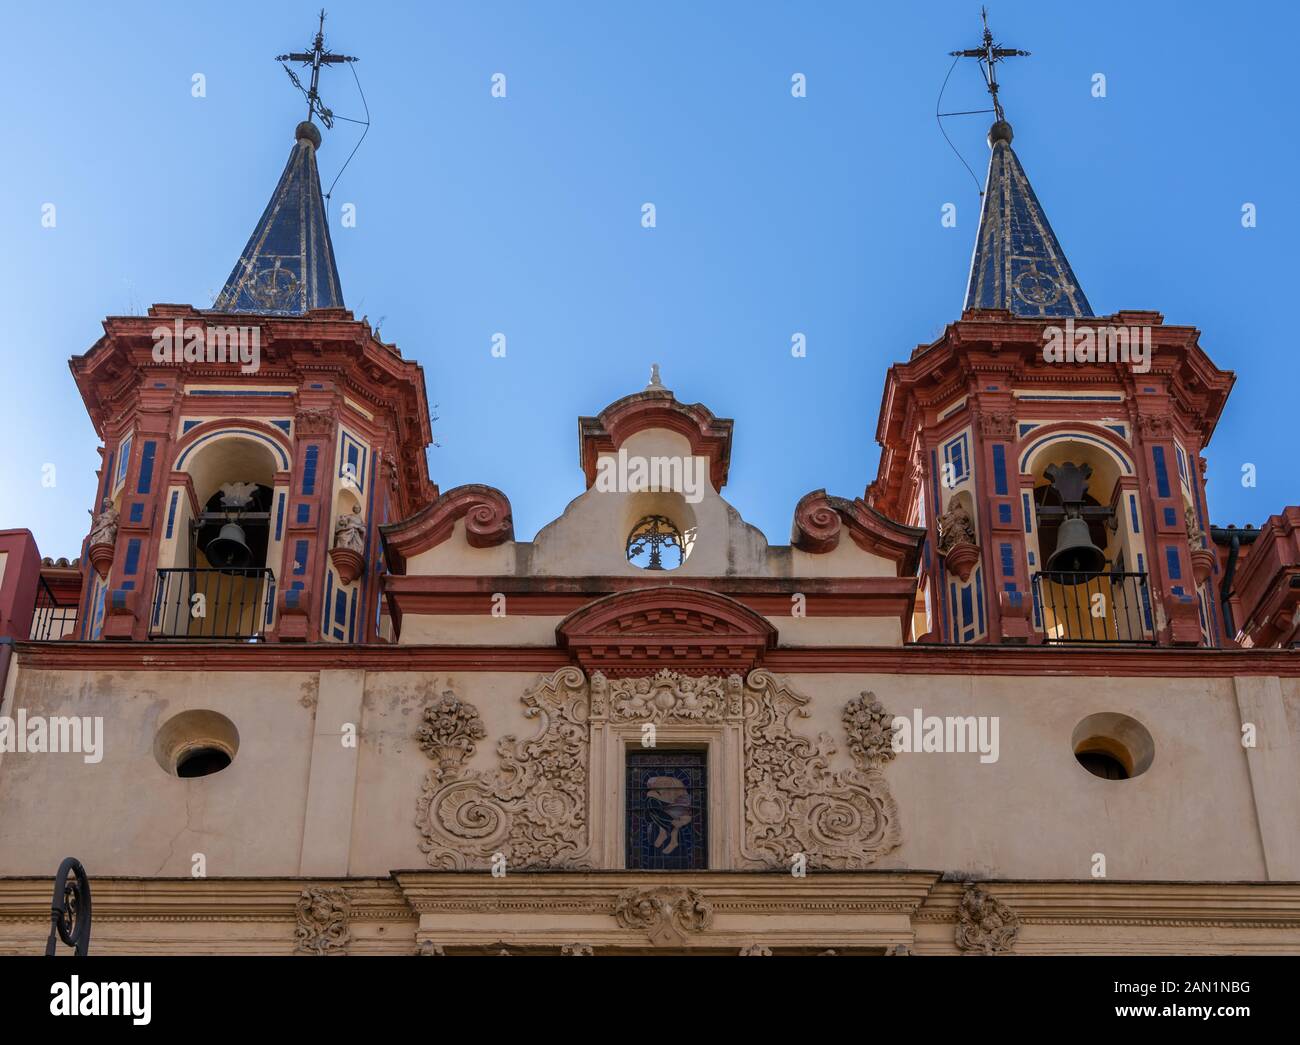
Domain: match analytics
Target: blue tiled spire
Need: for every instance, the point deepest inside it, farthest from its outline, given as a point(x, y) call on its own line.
point(1018, 264)
point(288, 265)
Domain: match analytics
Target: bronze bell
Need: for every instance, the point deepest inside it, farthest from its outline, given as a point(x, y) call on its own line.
point(229, 550)
point(1075, 553)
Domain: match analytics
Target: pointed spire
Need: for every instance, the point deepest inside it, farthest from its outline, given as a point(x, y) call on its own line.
point(288, 265)
point(1018, 264)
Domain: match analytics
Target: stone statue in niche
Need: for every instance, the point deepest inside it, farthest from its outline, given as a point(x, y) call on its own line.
point(349, 552)
point(350, 531)
point(103, 527)
point(1195, 535)
point(955, 527)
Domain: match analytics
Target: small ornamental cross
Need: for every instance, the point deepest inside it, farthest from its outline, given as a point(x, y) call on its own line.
point(989, 54)
point(316, 57)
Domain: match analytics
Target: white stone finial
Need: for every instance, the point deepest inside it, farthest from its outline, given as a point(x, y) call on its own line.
point(655, 383)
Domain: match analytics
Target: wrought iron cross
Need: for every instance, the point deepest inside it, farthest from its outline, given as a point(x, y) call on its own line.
point(989, 54)
point(316, 57)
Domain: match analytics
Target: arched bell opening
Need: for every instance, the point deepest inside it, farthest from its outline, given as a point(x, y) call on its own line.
point(222, 585)
point(1087, 588)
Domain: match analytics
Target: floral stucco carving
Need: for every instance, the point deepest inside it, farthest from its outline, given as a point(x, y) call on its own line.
point(322, 921)
point(667, 695)
point(985, 925)
point(534, 809)
point(871, 731)
point(451, 726)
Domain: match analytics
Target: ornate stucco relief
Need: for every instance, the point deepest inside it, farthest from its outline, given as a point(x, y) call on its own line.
point(532, 808)
point(985, 925)
point(556, 799)
point(322, 916)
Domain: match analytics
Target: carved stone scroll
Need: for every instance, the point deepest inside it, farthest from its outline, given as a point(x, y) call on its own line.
point(532, 809)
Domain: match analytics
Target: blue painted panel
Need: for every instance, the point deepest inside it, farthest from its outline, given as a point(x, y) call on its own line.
point(171, 511)
point(132, 557)
point(146, 467)
point(310, 457)
point(1000, 468)
point(1162, 471)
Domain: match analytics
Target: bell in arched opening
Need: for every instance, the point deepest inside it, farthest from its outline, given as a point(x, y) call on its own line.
point(1076, 559)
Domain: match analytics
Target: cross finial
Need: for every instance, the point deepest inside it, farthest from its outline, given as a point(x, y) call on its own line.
point(989, 54)
point(316, 56)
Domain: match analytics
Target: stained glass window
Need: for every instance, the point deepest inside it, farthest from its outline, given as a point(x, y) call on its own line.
point(667, 810)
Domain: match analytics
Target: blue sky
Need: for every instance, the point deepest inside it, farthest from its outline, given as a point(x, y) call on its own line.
point(775, 215)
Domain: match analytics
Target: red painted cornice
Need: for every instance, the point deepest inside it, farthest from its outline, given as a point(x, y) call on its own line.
point(709, 436)
point(485, 509)
point(553, 596)
point(1042, 661)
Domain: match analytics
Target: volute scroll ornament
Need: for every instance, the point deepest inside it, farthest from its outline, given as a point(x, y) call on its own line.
point(532, 809)
point(795, 803)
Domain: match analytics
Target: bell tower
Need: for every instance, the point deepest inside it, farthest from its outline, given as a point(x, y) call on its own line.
point(252, 450)
point(1052, 455)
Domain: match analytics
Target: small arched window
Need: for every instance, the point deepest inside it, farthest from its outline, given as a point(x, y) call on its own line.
point(655, 543)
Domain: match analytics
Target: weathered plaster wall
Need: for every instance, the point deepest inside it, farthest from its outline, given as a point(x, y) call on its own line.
point(297, 800)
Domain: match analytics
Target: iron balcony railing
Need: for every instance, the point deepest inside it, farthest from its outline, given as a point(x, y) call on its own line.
point(50, 618)
point(232, 603)
point(1102, 608)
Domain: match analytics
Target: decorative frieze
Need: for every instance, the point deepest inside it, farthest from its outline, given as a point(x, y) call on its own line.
point(536, 810)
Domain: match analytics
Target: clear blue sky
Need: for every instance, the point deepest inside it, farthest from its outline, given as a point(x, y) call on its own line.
point(522, 215)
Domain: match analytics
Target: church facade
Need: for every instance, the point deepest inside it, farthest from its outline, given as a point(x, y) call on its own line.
point(1021, 696)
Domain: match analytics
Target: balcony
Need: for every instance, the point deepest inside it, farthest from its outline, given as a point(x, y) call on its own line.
point(1104, 608)
point(52, 619)
point(213, 605)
